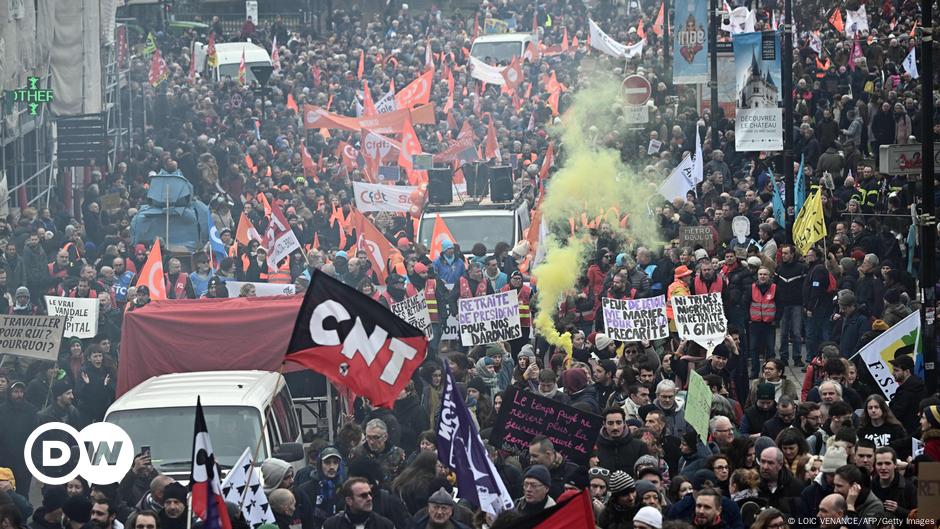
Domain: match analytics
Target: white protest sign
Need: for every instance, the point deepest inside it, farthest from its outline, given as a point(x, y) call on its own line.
point(381, 197)
point(81, 315)
point(32, 336)
point(451, 330)
point(701, 319)
point(261, 289)
point(654, 147)
point(489, 319)
point(633, 320)
point(741, 227)
point(414, 310)
point(917, 447)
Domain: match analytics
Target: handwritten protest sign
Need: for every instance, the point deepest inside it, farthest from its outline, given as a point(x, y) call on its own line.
point(489, 319)
point(525, 415)
point(695, 236)
point(451, 329)
point(81, 315)
point(414, 310)
point(261, 289)
point(701, 319)
point(698, 405)
point(633, 320)
point(32, 336)
point(928, 490)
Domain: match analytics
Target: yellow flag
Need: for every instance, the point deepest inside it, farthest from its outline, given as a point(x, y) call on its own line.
point(810, 224)
point(151, 45)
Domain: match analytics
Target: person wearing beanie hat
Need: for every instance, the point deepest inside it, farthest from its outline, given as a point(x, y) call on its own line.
point(835, 457)
point(49, 515)
point(622, 505)
point(277, 474)
point(648, 518)
point(440, 512)
point(173, 515)
point(910, 391)
point(682, 279)
point(602, 344)
point(77, 511)
point(647, 494)
point(536, 484)
point(447, 267)
point(61, 408)
point(583, 396)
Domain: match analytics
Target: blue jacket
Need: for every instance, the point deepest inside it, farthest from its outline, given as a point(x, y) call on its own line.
point(449, 272)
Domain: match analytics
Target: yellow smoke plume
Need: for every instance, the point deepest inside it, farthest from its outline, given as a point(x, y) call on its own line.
point(592, 181)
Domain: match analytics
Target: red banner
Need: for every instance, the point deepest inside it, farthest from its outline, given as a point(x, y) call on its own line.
point(391, 123)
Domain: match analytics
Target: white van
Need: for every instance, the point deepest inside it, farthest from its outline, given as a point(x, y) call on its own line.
point(242, 409)
point(500, 48)
point(473, 221)
point(230, 56)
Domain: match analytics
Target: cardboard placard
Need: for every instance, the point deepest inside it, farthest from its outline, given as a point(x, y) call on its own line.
point(633, 320)
point(110, 202)
point(693, 236)
point(451, 330)
point(525, 415)
point(701, 319)
point(81, 315)
point(698, 405)
point(414, 310)
point(928, 490)
point(654, 147)
point(32, 336)
point(489, 319)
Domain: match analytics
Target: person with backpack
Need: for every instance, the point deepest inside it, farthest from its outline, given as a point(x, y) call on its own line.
point(819, 286)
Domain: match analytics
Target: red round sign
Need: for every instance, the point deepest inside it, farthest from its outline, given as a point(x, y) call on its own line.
point(636, 90)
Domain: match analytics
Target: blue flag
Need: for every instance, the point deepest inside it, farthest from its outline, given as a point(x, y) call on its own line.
point(215, 243)
point(780, 212)
point(459, 447)
point(799, 193)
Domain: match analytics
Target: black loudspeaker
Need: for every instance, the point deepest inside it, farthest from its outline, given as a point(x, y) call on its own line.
point(477, 178)
point(440, 185)
point(501, 183)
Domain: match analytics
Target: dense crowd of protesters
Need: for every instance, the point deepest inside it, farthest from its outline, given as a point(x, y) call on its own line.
point(826, 450)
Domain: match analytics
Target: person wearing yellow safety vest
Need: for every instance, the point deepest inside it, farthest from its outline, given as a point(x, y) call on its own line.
point(679, 287)
point(762, 314)
point(524, 293)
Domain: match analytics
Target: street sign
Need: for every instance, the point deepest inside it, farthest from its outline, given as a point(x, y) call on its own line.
point(905, 159)
point(636, 90)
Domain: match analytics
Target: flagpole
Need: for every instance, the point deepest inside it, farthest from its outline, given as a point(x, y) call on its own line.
point(787, 87)
point(928, 220)
point(189, 511)
point(254, 457)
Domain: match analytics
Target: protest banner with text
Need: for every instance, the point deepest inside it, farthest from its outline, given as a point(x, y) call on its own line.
point(81, 315)
point(701, 319)
point(525, 415)
point(414, 310)
point(489, 319)
point(633, 320)
point(32, 336)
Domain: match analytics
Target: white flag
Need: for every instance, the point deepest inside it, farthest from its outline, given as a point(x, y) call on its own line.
point(698, 164)
point(387, 103)
point(255, 506)
point(856, 21)
point(486, 73)
point(910, 63)
point(634, 50)
point(750, 22)
point(679, 182)
point(901, 338)
point(737, 21)
point(603, 42)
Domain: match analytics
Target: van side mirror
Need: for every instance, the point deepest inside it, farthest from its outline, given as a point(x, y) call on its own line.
point(290, 452)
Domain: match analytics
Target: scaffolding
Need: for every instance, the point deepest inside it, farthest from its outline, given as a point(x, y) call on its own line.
point(116, 89)
point(27, 155)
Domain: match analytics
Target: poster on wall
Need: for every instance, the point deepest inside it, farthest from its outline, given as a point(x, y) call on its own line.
point(758, 124)
point(690, 43)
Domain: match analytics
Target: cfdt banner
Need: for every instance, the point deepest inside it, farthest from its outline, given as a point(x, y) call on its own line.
point(759, 117)
point(690, 43)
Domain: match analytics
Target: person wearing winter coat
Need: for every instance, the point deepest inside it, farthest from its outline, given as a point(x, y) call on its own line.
point(412, 418)
point(616, 448)
point(95, 388)
point(323, 488)
point(583, 396)
point(910, 391)
point(850, 325)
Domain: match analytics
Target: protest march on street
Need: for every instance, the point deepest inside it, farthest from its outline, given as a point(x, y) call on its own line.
point(615, 264)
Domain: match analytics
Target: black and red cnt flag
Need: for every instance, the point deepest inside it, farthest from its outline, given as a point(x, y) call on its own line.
point(572, 513)
point(354, 341)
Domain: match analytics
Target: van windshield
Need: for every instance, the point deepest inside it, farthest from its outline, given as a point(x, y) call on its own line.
point(468, 230)
point(231, 70)
point(498, 52)
point(168, 432)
